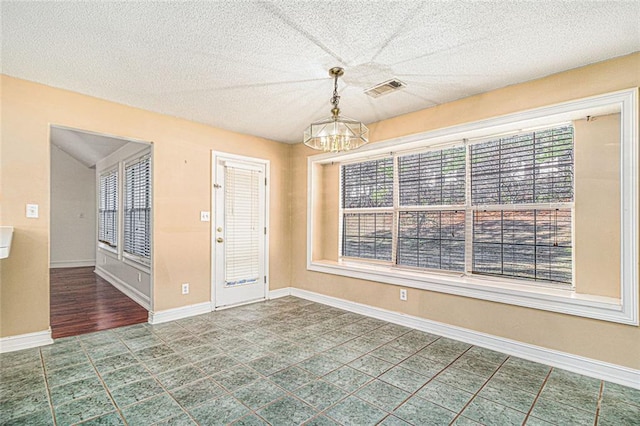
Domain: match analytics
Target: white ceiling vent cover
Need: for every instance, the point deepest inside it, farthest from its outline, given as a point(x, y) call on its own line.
point(385, 88)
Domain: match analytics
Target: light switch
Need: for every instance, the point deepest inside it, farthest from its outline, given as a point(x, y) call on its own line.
point(32, 211)
point(204, 217)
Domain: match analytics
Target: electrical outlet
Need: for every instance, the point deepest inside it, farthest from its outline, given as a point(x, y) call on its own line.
point(205, 216)
point(403, 294)
point(185, 288)
point(32, 211)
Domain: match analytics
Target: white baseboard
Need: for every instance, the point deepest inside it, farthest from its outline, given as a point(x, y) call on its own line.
point(179, 313)
point(25, 341)
point(135, 295)
point(578, 364)
point(280, 292)
point(72, 263)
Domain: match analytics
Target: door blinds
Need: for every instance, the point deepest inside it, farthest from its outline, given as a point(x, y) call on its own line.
point(242, 225)
point(137, 208)
point(108, 209)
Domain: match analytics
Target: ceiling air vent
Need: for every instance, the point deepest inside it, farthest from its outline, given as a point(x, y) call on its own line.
point(385, 88)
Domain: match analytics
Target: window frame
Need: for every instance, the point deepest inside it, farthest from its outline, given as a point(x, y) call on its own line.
point(466, 206)
point(131, 258)
point(621, 310)
point(102, 244)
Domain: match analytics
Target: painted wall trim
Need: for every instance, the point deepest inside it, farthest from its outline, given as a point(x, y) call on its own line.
point(179, 313)
point(578, 364)
point(25, 341)
point(280, 292)
point(131, 292)
point(72, 263)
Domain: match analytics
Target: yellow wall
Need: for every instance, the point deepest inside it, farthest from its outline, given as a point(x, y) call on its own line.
point(182, 182)
point(182, 188)
point(606, 341)
point(597, 202)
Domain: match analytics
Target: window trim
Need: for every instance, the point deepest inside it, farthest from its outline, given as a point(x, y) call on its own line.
point(623, 310)
point(139, 262)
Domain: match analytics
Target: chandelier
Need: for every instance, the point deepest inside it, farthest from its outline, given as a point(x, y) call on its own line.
point(336, 133)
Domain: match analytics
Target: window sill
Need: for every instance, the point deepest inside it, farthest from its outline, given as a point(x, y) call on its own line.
point(537, 297)
point(136, 263)
point(108, 250)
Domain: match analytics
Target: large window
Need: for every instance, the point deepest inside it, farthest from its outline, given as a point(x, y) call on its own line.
point(108, 208)
point(137, 208)
point(500, 207)
point(513, 209)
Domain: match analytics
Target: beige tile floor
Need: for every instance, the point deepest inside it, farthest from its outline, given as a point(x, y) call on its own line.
point(288, 362)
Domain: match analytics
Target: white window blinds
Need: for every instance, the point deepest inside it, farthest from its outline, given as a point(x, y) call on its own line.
point(108, 208)
point(242, 224)
point(432, 177)
point(368, 184)
point(534, 167)
point(498, 207)
point(365, 234)
point(511, 174)
point(137, 208)
point(427, 237)
point(432, 239)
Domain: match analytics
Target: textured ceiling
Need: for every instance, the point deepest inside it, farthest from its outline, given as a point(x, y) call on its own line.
point(261, 67)
point(88, 148)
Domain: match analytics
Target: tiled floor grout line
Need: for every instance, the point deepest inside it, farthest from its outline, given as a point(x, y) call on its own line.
point(479, 390)
point(370, 353)
point(190, 363)
point(227, 391)
point(104, 385)
point(297, 364)
point(535, 400)
point(412, 394)
point(323, 412)
point(47, 387)
point(373, 378)
point(416, 391)
point(599, 404)
point(397, 364)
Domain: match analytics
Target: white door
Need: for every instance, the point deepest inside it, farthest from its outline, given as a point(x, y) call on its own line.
point(239, 231)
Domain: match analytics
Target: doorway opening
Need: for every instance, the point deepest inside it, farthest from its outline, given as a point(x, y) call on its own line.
point(100, 231)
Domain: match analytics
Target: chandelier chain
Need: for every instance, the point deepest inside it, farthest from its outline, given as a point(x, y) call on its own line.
point(335, 99)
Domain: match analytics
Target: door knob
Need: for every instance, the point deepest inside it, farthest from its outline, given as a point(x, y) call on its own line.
point(220, 239)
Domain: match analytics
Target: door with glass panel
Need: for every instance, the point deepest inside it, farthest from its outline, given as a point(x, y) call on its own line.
point(239, 231)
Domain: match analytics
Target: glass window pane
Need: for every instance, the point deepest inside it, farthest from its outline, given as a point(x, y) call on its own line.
point(432, 177)
point(531, 244)
point(535, 167)
point(367, 235)
point(431, 239)
point(137, 208)
point(108, 208)
point(368, 184)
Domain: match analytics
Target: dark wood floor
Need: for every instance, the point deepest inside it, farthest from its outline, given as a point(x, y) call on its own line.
point(82, 302)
